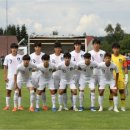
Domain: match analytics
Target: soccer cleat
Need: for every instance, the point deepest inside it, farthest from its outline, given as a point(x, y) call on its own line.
point(93, 109)
point(66, 109)
point(54, 109)
point(31, 109)
point(60, 108)
point(123, 109)
point(45, 108)
point(14, 109)
point(100, 109)
point(110, 108)
point(75, 109)
point(81, 108)
point(21, 108)
point(6, 108)
point(37, 109)
point(116, 110)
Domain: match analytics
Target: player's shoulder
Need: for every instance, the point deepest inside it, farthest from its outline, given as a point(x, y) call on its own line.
point(101, 64)
point(91, 51)
point(81, 63)
point(82, 52)
point(102, 51)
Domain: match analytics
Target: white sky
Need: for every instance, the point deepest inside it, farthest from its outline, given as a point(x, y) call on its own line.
point(67, 16)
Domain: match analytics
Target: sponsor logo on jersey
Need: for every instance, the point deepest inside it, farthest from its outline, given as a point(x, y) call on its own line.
point(111, 69)
point(120, 60)
point(64, 71)
point(101, 55)
point(18, 58)
point(30, 69)
point(34, 61)
point(50, 70)
point(91, 68)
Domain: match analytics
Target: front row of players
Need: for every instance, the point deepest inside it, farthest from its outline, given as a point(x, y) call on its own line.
point(67, 70)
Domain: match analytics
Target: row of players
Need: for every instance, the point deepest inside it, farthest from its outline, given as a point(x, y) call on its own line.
point(58, 70)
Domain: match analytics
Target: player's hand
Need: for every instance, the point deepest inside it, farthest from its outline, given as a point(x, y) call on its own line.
point(6, 80)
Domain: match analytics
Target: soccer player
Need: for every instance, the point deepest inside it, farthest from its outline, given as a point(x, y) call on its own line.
point(23, 76)
point(97, 55)
point(121, 64)
point(107, 68)
point(56, 59)
point(86, 68)
point(67, 72)
point(10, 64)
point(36, 59)
point(45, 79)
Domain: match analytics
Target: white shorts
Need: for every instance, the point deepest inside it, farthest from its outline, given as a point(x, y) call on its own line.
point(83, 84)
point(63, 85)
point(35, 78)
point(111, 83)
point(96, 80)
point(10, 84)
point(56, 77)
point(28, 84)
point(49, 84)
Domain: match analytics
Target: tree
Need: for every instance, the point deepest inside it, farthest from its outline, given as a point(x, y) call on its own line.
point(18, 34)
point(109, 29)
point(1, 31)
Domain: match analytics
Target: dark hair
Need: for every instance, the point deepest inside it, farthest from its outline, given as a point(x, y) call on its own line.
point(26, 57)
point(96, 41)
point(107, 54)
point(57, 45)
point(77, 42)
point(14, 45)
point(87, 55)
point(37, 44)
point(115, 45)
point(45, 57)
point(67, 55)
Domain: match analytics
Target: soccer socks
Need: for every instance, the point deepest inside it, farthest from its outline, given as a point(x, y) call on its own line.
point(81, 96)
point(122, 97)
point(32, 98)
point(7, 101)
point(100, 101)
point(111, 99)
point(92, 99)
point(115, 100)
point(43, 95)
point(74, 101)
point(65, 99)
point(19, 101)
point(60, 97)
point(53, 98)
point(15, 99)
point(37, 100)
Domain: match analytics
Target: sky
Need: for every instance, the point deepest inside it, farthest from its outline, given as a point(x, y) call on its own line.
point(66, 16)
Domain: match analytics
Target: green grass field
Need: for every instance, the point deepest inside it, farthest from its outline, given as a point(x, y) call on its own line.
point(61, 120)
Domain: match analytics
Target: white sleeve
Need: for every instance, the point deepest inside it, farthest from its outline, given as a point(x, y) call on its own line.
point(116, 69)
point(6, 61)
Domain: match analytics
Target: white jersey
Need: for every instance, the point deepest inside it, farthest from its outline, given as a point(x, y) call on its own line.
point(107, 71)
point(46, 73)
point(97, 57)
point(24, 73)
point(12, 62)
point(77, 57)
point(67, 72)
point(86, 70)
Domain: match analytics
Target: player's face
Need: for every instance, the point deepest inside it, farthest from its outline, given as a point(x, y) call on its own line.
point(14, 50)
point(67, 61)
point(87, 60)
point(46, 63)
point(26, 63)
point(77, 47)
point(57, 50)
point(116, 51)
point(96, 46)
point(37, 49)
point(107, 60)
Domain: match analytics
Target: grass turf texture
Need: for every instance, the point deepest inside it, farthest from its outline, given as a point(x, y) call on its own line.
point(61, 120)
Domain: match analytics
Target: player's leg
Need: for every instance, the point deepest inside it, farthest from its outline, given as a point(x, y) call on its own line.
point(60, 97)
point(32, 99)
point(110, 100)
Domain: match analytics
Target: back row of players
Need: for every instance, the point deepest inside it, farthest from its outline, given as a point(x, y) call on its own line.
point(58, 71)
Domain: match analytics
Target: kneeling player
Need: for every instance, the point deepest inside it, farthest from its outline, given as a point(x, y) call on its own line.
point(67, 72)
point(45, 79)
point(107, 78)
point(86, 77)
point(23, 76)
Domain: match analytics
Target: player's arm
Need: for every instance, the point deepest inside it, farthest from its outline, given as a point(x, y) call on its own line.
point(15, 79)
point(117, 76)
point(126, 72)
point(5, 73)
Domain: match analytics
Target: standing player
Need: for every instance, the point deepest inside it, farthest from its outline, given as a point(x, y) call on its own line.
point(86, 68)
point(23, 76)
point(10, 64)
point(56, 59)
point(45, 79)
point(67, 72)
point(121, 64)
point(36, 59)
point(107, 78)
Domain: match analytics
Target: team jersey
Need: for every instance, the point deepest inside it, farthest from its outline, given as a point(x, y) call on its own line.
point(67, 72)
point(120, 62)
point(77, 57)
point(12, 62)
point(56, 59)
point(24, 73)
point(36, 59)
point(86, 70)
point(97, 57)
point(46, 73)
point(107, 71)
